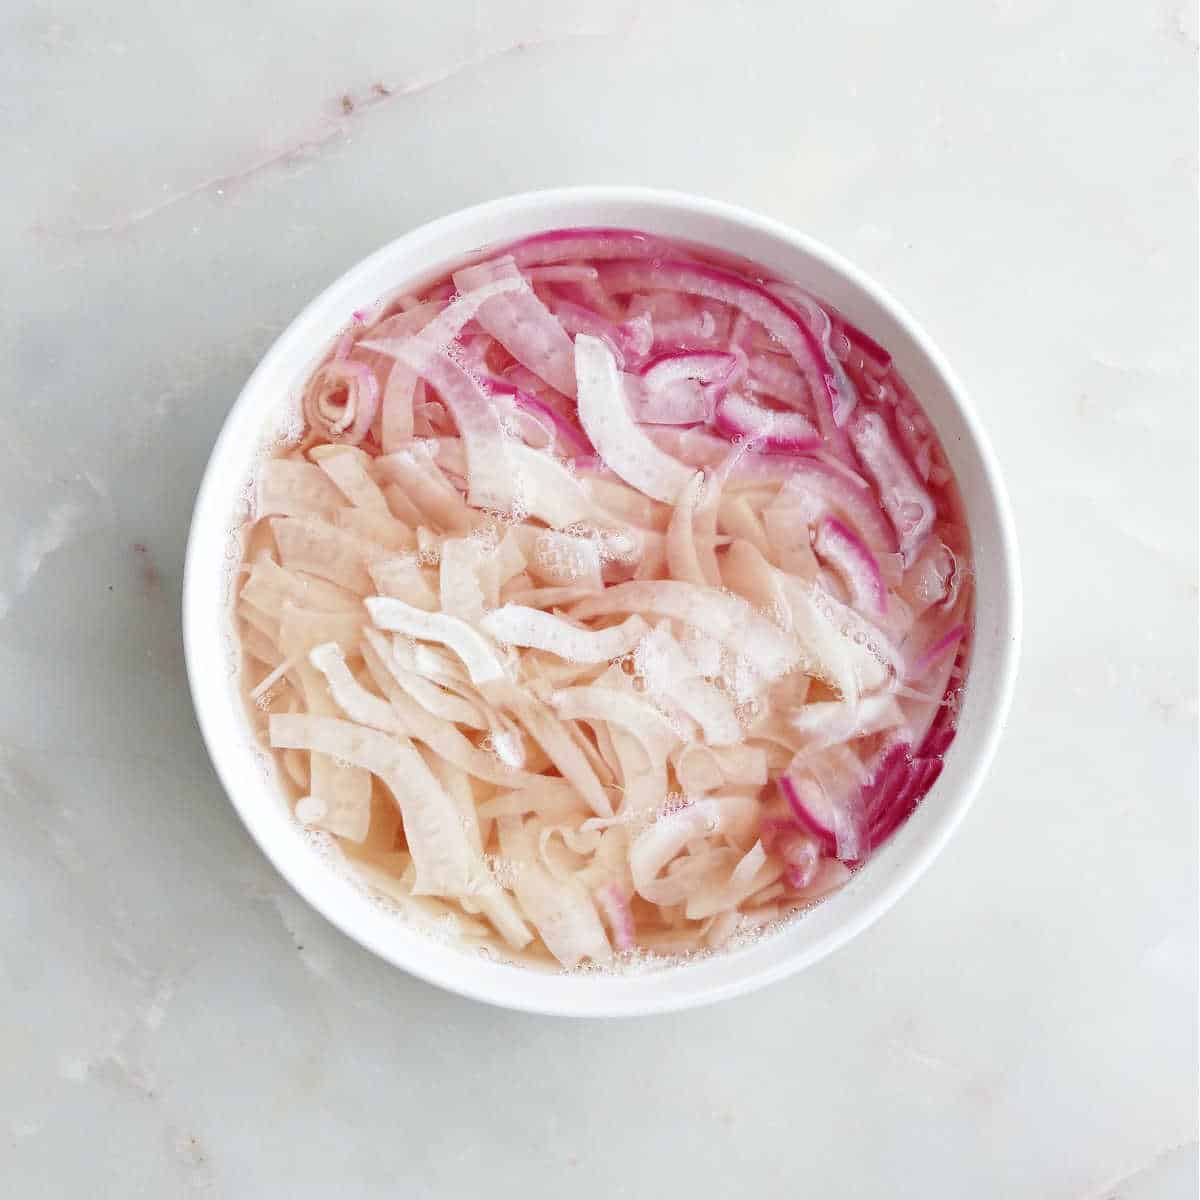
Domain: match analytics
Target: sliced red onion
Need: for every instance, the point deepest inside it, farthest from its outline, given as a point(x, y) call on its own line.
point(596, 243)
point(591, 464)
point(614, 904)
point(821, 324)
point(689, 335)
point(908, 505)
point(493, 483)
point(777, 432)
point(920, 776)
point(522, 324)
point(399, 382)
point(877, 357)
point(779, 378)
point(341, 400)
point(933, 578)
point(569, 437)
point(811, 812)
point(637, 338)
point(606, 419)
point(698, 448)
point(695, 447)
point(472, 351)
point(566, 273)
point(683, 323)
point(932, 705)
point(593, 294)
point(854, 501)
point(941, 730)
point(916, 436)
point(847, 554)
point(898, 782)
point(826, 813)
point(523, 378)
point(826, 723)
point(759, 305)
point(531, 428)
point(704, 366)
point(680, 403)
point(398, 410)
point(887, 780)
point(944, 645)
point(772, 829)
point(405, 324)
point(868, 638)
point(801, 857)
point(630, 340)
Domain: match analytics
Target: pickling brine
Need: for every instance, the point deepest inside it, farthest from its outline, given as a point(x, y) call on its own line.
point(613, 601)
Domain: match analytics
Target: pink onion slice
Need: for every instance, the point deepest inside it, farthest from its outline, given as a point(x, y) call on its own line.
point(778, 432)
point(522, 324)
point(846, 553)
point(851, 500)
point(704, 366)
point(614, 904)
point(566, 273)
point(492, 481)
point(695, 447)
point(916, 435)
point(561, 245)
point(900, 779)
point(606, 419)
point(341, 400)
point(630, 340)
point(562, 430)
point(825, 813)
point(879, 358)
point(572, 440)
point(399, 381)
point(944, 645)
point(908, 505)
point(769, 375)
point(800, 854)
point(920, 774)
point(728, 618)
point(941, 729)
point(934, 578)
point(823, 329)
point(680, 403)
point(759, 305)
point(800, 864)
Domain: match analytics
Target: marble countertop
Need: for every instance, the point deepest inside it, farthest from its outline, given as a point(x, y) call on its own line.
point(179, 182)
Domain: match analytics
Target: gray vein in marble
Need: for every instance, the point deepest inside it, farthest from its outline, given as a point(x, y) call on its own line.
point(350, 106)
point(1172, 1163)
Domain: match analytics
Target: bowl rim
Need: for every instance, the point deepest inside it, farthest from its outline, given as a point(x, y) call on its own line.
point(214, 485)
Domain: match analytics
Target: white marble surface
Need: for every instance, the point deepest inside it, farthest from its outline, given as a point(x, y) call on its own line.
point(178, 181)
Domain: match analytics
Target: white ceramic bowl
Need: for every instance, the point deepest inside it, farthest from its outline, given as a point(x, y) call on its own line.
point(213, 550)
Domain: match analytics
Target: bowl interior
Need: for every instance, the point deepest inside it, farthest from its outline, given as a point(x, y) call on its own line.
point(214, 550)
